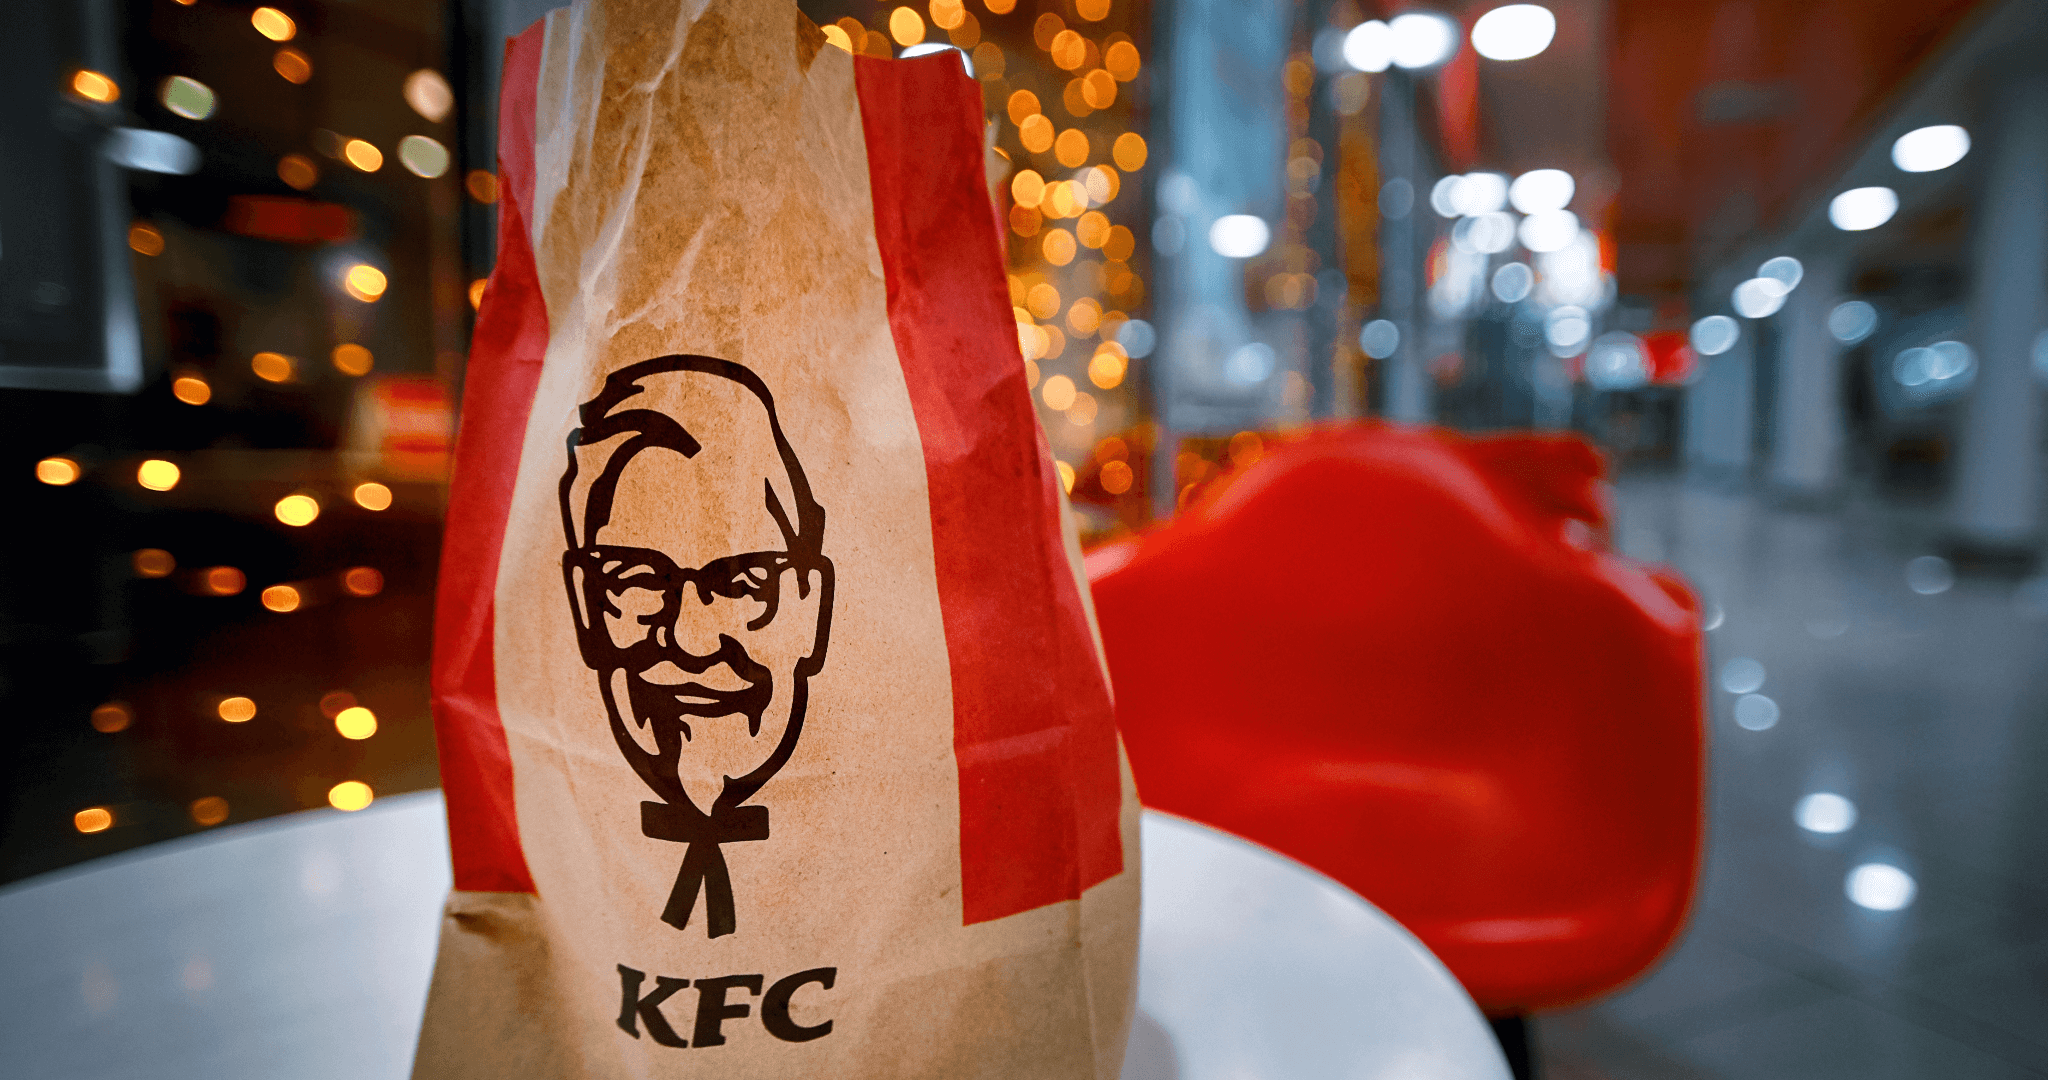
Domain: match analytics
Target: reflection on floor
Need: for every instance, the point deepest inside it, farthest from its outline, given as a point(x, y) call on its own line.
point(1920, 697)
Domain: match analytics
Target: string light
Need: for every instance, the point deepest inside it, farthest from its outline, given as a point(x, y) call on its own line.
point(1106, 369)
point(187, 97)
point(144, 239)
point(1036, 133)
point(281, 598)
point(112, 717)
point(355, 722)
point(350, 795)
point(191, 389)
point(429, 94)
point(209, 810)
point(293, 65)
point(371, 495)
point(905, 26)
point(93, 86)
point(224, 581)
point(365, 282)
point(236, 710)
point(1115, 477)
point(352, 359)
point(153, 563)
point(362, 155)
point(297, 510)
point(1071, 148)
point(423, 157)
point(58, 471)
point(1129, 151)
point(298, 171)
point(273, 24)
point(272, 367)
point(93, 819)
point(156, 474)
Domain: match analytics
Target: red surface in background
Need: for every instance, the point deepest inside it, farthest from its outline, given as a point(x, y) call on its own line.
point(504, 370)
point(1390, 653)
point(1670, 355)
point(1797, 84)
point(1034, 733)
point(280, 217)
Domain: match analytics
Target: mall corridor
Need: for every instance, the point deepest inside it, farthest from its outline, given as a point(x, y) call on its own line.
point(1913, 691)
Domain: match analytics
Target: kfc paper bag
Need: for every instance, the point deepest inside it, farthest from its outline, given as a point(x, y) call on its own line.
point(774, 730)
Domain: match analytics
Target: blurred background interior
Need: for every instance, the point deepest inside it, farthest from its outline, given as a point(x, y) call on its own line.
point(1785, 262)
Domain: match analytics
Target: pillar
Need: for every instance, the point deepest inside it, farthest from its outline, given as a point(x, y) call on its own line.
point(1807, 422)
point(1718, 409)
point(1996, 498)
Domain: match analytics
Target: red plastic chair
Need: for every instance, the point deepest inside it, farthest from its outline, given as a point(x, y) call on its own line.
point(1400, 656)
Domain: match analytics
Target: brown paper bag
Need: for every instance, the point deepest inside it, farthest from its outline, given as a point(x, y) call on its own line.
point(774, 731)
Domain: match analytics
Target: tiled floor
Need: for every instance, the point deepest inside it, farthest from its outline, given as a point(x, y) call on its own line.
point(1929, 711)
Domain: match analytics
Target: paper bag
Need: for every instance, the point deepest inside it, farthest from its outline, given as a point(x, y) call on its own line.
point(773, 725)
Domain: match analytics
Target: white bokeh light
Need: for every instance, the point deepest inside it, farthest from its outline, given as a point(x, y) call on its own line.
point(1785, 270)
point(1758, 298)
point(1825, 812)
point(1880, 887)
point(1863, 208)
point(1513, 281)
point(1566, 330)
point(1715, 335)
point(1423, 39)
point(1930, 149)
point(1742, 675)
point(1480, 193)
point(1514, 32)
point(1485, 234)
point(1930, 575)
point(1542, 189)
point(1369, 46)
point(1616, 361)
point(1852, 321)
point(1379, 338)
point(1443, 198)
point(1239, 236)
point(1138, 338)
point(1251, 364)
point(1755, 712)
point(1549, 230)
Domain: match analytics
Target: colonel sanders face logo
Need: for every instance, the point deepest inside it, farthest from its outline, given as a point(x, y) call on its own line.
point(702, 597)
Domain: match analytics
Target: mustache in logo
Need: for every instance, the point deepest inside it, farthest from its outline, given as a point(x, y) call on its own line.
point(671, 703)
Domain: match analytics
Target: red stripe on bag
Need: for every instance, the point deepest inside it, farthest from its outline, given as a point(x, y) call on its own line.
point(1034, 733)
point(504, 370)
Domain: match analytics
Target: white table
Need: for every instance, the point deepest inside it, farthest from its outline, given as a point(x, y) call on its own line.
point(300, 947)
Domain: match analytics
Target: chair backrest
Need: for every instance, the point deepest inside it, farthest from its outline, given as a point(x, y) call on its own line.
point(1404, 657)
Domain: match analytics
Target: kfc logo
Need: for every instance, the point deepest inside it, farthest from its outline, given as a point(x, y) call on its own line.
point(702, 598)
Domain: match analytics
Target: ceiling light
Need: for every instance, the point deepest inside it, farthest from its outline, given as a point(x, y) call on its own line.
point(1423, 39)
point(1542, 189)
point(1863, 208)
point(1514, 32)
point(1930, 149)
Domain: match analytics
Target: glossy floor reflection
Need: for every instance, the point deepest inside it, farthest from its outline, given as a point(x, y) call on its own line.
point(1917, 694)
